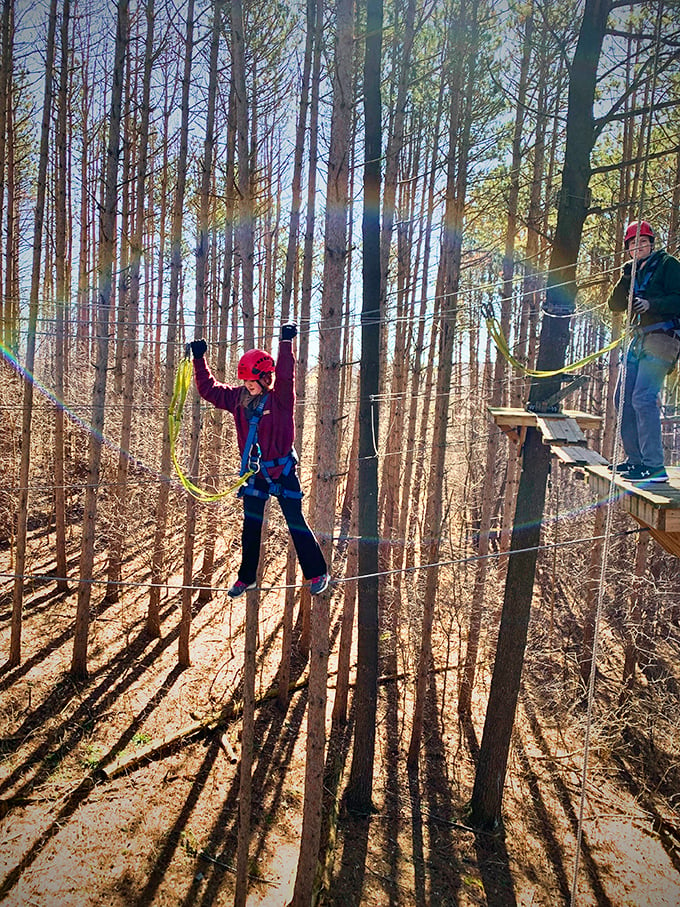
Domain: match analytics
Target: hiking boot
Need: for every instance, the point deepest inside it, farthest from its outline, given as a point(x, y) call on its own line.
point(319, 583)
point(643, 475)
point(239, 588)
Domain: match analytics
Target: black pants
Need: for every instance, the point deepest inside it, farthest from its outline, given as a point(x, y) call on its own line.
point(308, 551)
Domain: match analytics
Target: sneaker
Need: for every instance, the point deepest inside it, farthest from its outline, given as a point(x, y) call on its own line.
point(623, 468)
point(643, 475)
point(319, 583)
point(239, 588)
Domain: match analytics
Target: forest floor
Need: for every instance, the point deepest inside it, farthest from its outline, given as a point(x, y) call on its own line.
point(164, 833)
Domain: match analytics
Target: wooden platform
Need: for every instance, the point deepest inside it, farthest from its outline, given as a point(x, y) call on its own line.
point(562, 431)
point(656, 507)
point(515, 417)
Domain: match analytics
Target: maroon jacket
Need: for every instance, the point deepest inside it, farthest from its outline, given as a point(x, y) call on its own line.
point(276, 429)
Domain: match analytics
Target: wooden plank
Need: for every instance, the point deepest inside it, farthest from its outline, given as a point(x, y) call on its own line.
point(516, 416)
point(643, 510)
point(560, 430)
point(576, 454)
point(669, 541)
point(671, 520)
point(658, 509)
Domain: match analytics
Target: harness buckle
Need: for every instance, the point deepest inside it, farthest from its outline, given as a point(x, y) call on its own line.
point(254, 459)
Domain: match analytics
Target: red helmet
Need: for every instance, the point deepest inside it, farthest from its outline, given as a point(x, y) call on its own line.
point(254, 364)
point(632, 231)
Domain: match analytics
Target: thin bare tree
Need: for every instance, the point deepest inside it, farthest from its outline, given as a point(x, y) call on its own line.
point(107, 245)
point(130, 328)
point(245, 218)
point(335, 243)
point(358, 794)
point(158, 554)
point(463, 37)
point(62, 296)
point(34, 303)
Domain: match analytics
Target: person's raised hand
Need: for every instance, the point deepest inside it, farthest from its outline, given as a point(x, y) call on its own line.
point(198, 348)
point(288, 331)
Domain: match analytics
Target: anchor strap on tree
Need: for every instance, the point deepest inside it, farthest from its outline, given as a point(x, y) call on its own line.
point(496, 333)
point(175, 410)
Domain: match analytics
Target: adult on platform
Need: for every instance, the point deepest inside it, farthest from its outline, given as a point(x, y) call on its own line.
point(652, 352)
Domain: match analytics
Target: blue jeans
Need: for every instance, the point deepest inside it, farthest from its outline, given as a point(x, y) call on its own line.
point(641, 419)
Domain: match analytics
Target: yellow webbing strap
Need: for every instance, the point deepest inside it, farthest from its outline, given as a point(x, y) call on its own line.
point(496, 334)
point(175, 410)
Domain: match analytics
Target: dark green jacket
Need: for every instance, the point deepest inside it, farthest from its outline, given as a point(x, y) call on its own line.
point(662, 289)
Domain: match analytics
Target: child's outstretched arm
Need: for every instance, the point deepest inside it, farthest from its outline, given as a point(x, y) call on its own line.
point(220, 395)
point(285, 367)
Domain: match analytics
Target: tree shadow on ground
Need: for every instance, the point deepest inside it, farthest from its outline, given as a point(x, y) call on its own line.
point(443, 862)
point(339, 743)
point(393, 795)
point(493, 864)
point(279, 732)
point(83, 789)
point(493, 861)
point(106, 685)
point(347, 886)
point(174, 835)
point(11, 675)
point(660, 782)
point(554, 850)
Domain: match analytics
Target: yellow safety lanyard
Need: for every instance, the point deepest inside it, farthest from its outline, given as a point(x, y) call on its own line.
point(496, 334)
point(175, 410)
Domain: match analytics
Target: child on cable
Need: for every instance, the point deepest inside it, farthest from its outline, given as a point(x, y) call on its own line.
point(263, 410)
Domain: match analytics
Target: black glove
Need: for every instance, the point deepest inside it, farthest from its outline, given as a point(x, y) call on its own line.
point(627, 269)
point(288, 331)
point(199, 348)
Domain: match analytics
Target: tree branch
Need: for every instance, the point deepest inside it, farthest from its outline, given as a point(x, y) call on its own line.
point(635, 160)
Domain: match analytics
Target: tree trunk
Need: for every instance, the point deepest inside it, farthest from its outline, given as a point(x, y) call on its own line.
point(335, 242)
point(107, 246)
point(307, 280)
point(573, 206)
point(214, 454)
point(460, 117)
point(6, 65)
point(183, 658)
point(130, 327)
point(158, 556)
point(244, 224)
point(202, 246)
point(350, 585)
point(82, 301)
point(488, 501)
point(633, 629)
point(34, 302)
point(296, 189)
point(247, 745)
point(359, 792)
point(61, 306)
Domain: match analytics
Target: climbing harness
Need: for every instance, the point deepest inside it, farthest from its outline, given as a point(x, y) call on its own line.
point(175, 410)
point(252, 463)
point(496, 333)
